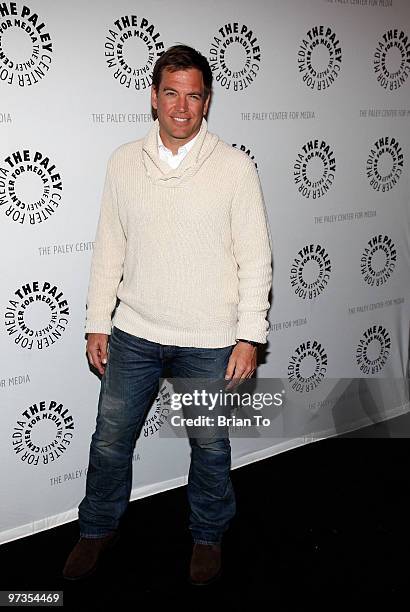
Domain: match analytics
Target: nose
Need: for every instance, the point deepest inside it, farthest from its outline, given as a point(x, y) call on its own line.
point(182, 104)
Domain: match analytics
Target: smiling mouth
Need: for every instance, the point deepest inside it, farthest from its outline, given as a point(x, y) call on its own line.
point(180, 119)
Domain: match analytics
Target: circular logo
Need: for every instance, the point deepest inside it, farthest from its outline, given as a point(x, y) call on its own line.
point(384, 165)
point(310, 271)
point(235, 56)
point(391, 61)
point(30, 187)
point(25, 45)
point(132, 46)
point(248, 152)
point(319, 58)
point(42, 433)
point(37, 315)
point(378, 260)
point(314, 169)
point(159, 411)
point(373, 349)
point(307, 366)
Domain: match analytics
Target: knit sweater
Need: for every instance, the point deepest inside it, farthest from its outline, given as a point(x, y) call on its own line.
point(185, 254)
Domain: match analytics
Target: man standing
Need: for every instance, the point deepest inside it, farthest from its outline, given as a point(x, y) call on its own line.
point(183, 248)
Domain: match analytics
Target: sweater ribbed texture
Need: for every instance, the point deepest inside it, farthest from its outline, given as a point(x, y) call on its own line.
point(186, 252)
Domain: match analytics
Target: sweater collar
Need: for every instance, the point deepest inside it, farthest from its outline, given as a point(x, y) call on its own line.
point(159, 171)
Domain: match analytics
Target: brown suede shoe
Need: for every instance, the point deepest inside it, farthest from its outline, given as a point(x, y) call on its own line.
point(84, 558)
point(205, 564)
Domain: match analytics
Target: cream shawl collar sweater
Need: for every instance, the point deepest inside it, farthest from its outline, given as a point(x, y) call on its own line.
point(184, 253)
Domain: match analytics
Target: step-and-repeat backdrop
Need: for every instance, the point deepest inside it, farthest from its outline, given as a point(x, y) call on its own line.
point(317, 93)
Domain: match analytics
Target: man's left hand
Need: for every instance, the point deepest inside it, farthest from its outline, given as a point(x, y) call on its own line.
point(242, 364)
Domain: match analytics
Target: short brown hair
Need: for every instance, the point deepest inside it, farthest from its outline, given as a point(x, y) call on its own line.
point(182, 57)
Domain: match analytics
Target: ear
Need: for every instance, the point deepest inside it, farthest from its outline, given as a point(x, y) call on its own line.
point(206, 105)
point(154, 99)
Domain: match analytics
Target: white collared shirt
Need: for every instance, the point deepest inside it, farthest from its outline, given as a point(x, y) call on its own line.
point(167, 156)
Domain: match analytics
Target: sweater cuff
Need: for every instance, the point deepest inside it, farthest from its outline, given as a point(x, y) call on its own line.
point(98, 327)
point(251, 329)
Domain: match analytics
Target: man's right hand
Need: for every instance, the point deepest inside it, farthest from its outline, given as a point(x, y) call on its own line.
point(97, 351)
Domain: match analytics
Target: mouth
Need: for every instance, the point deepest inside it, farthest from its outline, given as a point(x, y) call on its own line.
point(180, 120)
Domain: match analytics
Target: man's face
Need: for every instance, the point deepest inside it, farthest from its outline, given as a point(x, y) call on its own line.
point(180, 106)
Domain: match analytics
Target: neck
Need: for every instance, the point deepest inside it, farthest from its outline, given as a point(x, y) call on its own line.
point(173, 144)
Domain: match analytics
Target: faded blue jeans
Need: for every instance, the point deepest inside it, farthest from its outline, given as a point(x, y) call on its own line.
point(128, 388)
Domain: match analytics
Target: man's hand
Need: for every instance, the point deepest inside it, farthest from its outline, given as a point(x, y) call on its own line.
point(97, 351)
point(242, 363)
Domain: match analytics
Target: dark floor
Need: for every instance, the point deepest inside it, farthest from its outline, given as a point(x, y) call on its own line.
point(324, 525)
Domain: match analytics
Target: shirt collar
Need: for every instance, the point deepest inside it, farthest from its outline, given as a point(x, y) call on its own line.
point(184, 149)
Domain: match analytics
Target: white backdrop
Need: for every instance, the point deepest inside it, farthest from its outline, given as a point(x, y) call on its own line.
point(317, 92)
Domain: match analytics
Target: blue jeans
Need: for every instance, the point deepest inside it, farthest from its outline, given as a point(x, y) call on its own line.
point(128, 388)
